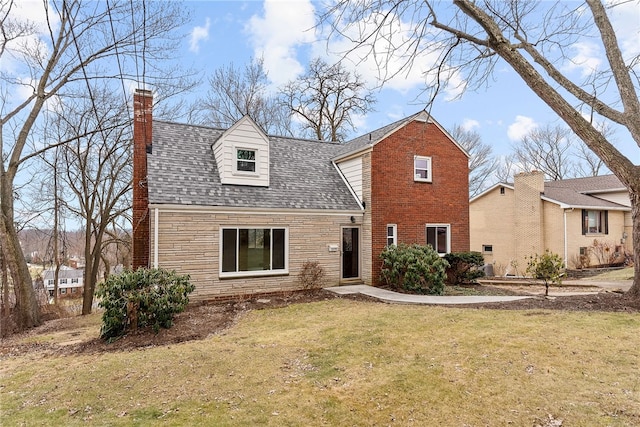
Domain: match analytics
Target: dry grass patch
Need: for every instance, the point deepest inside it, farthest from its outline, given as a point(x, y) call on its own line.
point(342, 362)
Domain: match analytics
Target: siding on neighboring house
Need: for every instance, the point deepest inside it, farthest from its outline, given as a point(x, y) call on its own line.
point(532, 216)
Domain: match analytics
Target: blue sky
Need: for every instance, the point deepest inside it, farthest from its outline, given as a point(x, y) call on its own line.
point(282, 32)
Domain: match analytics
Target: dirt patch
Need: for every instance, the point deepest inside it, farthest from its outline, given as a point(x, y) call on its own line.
point(204, 320)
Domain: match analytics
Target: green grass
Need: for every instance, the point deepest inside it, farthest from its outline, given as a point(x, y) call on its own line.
point(621, 274)
point(343, 362)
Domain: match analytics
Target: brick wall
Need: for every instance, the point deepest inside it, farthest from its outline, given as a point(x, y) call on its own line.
point(142, 137)
point(529, 236)
point(397, 199)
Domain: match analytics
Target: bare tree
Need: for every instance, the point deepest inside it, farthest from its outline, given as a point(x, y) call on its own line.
point(482, 164)
point(234, 93)
point(77, 41)
point(326, 99)
point(533, 38)
point(549, 150)
point(98, 173)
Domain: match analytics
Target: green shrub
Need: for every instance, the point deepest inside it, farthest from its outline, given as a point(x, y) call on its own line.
point(413, 268)
point(141, 298)
point(547, 267)
point(464, 267)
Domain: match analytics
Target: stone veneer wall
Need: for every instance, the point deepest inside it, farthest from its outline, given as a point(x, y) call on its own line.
point(188, 241)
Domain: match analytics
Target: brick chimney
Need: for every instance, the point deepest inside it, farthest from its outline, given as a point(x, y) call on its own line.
point(142, 128)
point(529, 237)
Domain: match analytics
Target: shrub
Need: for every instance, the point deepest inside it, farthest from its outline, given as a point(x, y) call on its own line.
point(141, 298)
point(547, 267)
point(464, 267)
point(311, 275)
point(413, 268)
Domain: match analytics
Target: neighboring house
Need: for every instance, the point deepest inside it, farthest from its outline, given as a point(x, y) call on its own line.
point(241, 211)
point(581, 219)
point(70, 281)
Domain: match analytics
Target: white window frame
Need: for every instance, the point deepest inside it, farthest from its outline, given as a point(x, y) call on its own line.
point(253, 273)
point(416, 176)
point(448, 227)
point(50, 282)
point(486, 250)
point(74, 280)
point(393, 236)
point(255, 161)
point(63, 281)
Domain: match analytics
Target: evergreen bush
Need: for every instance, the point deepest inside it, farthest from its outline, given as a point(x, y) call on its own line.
point(141, 298)
point(464, 267)
point(413, 268)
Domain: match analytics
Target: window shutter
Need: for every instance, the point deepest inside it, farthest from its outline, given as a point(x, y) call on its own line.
point(606, 222)
point(584, 221)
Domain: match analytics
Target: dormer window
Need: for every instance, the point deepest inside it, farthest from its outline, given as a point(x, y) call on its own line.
point(422, 168)
point(246, 160)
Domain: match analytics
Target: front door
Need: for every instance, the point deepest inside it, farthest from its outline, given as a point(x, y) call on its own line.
point(350, 252)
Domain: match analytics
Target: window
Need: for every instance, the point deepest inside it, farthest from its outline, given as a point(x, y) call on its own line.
point(74, 280)
point(50, 282)
point(502, 191)
point(246, 160)
point(487, 249)
point(392, 234)
point(63, 281)
point(422, 168)
point(438, 236)
point(74, 290)
point(253, 251)
point(63, 291)
point(595, 222)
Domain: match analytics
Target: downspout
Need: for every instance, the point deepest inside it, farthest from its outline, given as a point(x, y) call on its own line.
point(155, 238)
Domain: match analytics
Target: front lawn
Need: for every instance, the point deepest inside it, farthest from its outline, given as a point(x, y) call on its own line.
point(342, 362)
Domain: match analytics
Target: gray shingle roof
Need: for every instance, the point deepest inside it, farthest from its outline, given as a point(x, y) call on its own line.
point(182, 170)
point(578, 191)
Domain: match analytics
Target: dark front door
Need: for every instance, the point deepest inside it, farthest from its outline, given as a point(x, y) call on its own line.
point(350, 252)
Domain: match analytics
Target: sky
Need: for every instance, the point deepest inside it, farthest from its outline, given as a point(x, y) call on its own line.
point(282, 32)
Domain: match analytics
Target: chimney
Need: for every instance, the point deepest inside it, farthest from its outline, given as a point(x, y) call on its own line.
point(529, 239)
point(142, 127)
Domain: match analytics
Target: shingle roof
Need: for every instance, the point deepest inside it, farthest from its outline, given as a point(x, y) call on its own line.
point(182, 170)
point(583, 191)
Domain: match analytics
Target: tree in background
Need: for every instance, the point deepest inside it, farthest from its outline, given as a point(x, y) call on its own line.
point(50, 60)
point(533, 39)
point(234, 93)
point(326, 99)
point(98, 173)
point(482, 164)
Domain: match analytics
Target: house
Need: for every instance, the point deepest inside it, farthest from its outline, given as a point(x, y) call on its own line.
point(587, 221)
point(241, 211)
point(70, 281)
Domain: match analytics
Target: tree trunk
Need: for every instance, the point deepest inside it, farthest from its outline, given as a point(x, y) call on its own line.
point(26, 309)
point(634, 292)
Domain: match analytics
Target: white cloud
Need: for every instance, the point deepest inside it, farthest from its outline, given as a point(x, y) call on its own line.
point(284, 27)
point(470, 124)
point(625, 18)
point(587, 58)
point(521, 127)
point(199, 34)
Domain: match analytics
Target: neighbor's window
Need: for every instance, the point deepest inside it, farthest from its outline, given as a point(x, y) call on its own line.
point(438, 236)
point(63, 290)
point(246, 160)
point(487, 248)
point(63, 281)
point(253, 251)
point(595, 222)
point(74, 280)
point(50, 282)
point(422, 168)
point(392, 234)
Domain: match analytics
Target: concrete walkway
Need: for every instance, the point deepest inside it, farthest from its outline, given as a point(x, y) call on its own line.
point(399, 298)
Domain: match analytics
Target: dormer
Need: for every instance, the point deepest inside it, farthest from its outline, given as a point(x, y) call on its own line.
point(242, 154)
